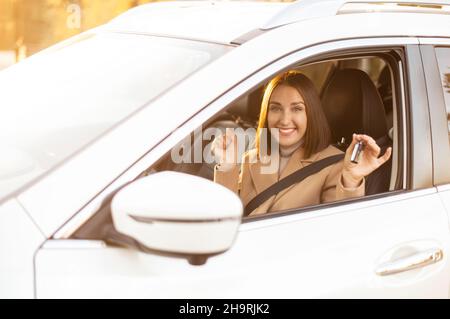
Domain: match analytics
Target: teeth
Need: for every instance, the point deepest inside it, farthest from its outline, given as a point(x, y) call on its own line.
point(286, 130)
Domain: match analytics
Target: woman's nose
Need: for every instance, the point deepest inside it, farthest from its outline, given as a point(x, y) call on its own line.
point(285, 118)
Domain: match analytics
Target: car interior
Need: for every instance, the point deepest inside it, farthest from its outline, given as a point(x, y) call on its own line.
point(356, 96)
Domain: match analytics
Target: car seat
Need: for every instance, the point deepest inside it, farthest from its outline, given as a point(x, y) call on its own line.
point(352, 104)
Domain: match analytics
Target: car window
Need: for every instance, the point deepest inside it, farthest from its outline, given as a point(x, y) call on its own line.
point(59, 100)
point(325, 76)
point(443, 58)
point(243, 114)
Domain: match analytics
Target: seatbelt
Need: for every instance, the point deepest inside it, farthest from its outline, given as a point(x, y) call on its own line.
point(289, 180)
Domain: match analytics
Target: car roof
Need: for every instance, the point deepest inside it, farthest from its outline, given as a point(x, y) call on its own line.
point(310, 9)
point(235, 22)
point(212, 21)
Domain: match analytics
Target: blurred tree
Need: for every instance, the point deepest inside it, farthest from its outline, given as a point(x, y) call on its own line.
point(7, 25)
point(31, 25)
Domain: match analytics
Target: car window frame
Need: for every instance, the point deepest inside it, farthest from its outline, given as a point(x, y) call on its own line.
point(438, 112)
point(209, 111)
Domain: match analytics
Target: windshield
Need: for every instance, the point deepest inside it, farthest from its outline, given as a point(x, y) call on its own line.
point(57, 101)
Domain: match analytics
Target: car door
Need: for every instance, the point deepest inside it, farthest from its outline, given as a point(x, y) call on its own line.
point(391, 246)
point(436, 53)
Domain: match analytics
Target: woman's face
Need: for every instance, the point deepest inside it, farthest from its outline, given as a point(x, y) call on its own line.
point(287, 113)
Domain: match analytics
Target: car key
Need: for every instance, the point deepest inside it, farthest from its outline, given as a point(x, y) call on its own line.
point(357, 152)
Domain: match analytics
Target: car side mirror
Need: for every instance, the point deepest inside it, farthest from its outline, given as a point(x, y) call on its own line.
point(177, 214)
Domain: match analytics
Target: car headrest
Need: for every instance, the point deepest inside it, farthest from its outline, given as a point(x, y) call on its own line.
point(254, 103)
point(248, 106)
point(240, 106)
point(385, 89)
point(352, 104)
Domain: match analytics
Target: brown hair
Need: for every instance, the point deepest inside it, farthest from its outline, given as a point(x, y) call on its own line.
point(317, 135)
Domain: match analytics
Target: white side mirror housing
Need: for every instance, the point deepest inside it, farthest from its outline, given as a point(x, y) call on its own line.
point(178, 214)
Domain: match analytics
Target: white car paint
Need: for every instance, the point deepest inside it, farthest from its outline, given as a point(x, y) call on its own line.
point(220, 22)
point(331, 255)
point(19, 241)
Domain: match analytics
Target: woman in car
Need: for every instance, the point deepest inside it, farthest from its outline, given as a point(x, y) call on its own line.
point(291, 106)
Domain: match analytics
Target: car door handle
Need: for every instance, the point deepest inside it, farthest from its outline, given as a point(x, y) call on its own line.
point(417, 260)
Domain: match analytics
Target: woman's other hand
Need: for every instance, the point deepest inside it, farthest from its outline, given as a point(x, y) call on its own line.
point(369, 160)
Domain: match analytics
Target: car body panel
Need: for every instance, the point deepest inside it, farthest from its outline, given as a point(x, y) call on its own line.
point(439, 119)
point(211, 21)
point(438, 112)
point(20, 238)
point(327, 255)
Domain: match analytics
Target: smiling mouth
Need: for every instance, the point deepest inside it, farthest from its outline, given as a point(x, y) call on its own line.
point(286, 131)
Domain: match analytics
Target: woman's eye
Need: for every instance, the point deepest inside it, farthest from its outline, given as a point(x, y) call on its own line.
point(274, 108)
point(298, 108)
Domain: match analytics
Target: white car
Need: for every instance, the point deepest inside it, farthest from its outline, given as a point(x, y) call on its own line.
point(93, 205)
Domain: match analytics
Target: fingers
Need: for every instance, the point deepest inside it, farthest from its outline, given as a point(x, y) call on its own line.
point(218, 142)
point(369, 144)
point(383, 159)
point(230, 136)
point(225, 138)
point(228, 132)
point(221, 147)
point(222, 141)
point(355, 140)
point(352, 145)
point(369, 160)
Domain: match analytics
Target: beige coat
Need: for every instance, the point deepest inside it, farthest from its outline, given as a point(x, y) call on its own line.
point(324, 186)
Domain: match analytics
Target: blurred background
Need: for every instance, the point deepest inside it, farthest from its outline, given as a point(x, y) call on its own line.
point(28, 26)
